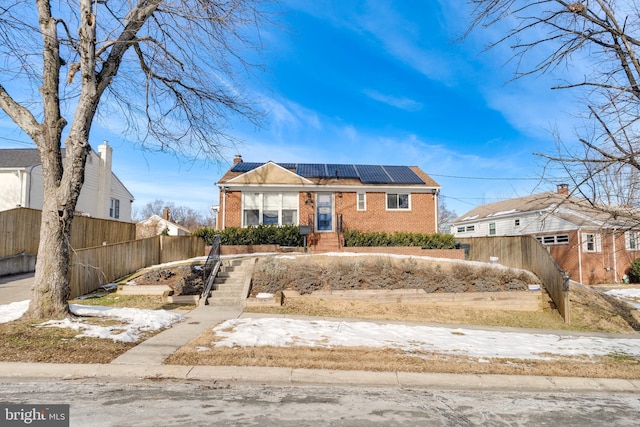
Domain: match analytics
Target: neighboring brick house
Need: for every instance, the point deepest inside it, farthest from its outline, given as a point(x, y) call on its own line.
point(583, 240)
point(329, 198)
point(102, 196)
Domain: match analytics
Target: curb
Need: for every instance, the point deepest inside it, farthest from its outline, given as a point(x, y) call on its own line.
point(308, 377)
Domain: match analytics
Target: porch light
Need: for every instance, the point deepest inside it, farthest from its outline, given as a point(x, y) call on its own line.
point(309, 201)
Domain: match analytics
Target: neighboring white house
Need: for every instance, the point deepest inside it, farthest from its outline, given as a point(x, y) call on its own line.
point(156, 225)
point(585, 241)
point(102, 196)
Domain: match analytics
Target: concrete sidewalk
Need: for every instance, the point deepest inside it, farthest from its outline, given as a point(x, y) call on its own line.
point(16, 287)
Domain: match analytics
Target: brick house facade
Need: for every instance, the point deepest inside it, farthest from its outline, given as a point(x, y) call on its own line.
point(329, 198)
point(585, 242)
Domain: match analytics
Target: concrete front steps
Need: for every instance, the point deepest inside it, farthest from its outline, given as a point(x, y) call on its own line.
point(325, 242)
point(231, 285)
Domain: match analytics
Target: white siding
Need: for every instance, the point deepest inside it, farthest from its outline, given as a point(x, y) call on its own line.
point(530, 223)
point(9, 189)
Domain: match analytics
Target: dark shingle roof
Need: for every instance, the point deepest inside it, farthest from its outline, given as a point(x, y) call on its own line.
point(20, 157)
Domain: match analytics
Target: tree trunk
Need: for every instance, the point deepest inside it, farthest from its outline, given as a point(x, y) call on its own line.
point(51, 289)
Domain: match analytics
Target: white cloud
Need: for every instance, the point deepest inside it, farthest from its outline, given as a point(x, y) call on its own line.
point(402, 103)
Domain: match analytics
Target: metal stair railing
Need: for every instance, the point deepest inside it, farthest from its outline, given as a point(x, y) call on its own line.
point(211, 268)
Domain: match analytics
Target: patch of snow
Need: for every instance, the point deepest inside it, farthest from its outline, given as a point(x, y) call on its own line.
point(249, 332)
point(264, 295)
point(631, 296)
point(13, 311)
point(134, 321)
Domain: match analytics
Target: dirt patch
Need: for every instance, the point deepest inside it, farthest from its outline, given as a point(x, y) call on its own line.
point(184, 280)
point(308, 274)
point(23, 342)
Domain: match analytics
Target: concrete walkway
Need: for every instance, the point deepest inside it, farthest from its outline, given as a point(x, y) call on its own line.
point(157, 348)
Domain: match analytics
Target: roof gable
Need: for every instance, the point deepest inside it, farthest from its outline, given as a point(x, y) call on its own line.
point(269, 173)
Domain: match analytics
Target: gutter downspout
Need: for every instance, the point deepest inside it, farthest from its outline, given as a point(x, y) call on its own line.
point(580, 254)
point(223, 196)
point(29, 185)
point(435, 207)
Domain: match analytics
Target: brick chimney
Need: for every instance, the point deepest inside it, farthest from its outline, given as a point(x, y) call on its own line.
point(166, 214)
point(563, 189)
point(237, 159)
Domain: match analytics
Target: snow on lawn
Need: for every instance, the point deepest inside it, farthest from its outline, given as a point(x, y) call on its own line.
point(630, 296)
point(247, 332)
point(134, 321)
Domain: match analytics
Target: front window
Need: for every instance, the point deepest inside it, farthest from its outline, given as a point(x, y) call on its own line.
point(269, 208)
point(492, 228)
point(398, 201)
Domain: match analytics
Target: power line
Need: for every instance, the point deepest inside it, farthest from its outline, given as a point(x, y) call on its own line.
point(487, 178)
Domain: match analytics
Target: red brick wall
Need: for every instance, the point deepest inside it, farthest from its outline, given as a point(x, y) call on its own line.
point(420, 219)
point(606, 266)
point(408, 250)
point(376, 217)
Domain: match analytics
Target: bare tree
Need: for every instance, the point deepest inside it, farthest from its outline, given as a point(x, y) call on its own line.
point(164, 70)
point(445, 217)
point(602, 36)
point(183, 215)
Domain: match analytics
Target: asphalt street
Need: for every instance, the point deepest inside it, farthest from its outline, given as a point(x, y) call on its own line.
point(212, 403)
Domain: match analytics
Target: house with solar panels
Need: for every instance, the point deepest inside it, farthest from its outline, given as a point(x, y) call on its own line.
point(328, 198)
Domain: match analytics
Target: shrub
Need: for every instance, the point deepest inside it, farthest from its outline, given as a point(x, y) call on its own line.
point(634, 271)
point(286, 235)
point(354, 238)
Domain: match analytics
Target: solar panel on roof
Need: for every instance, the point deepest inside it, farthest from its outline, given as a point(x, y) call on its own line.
point(403, 175)
point(312, 170)
point(374, 174)
point(245, 166)
point(342, 171)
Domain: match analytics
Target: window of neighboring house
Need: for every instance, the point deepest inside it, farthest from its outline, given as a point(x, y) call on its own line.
point(471, 228)
point(557, 239)
point(269, 208)
point(492, 228)
point(362, 202)
point(591, 242)
point(398, 201)
point(632, 240)
point(516, 223)
point(460, 229)
point(114, 209)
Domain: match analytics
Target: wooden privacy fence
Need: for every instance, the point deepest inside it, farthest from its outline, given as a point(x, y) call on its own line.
point(525, 252)
point(93, 267)
point(20, 231)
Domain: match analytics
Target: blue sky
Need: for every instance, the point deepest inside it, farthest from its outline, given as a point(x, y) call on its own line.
point(373, 82)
